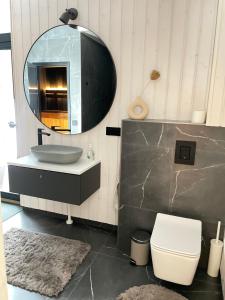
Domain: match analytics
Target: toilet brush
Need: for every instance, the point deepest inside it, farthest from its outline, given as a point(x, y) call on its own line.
point(215, 254)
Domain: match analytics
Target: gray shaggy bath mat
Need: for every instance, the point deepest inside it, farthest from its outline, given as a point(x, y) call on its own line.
point(41, 262)
point(150, 292)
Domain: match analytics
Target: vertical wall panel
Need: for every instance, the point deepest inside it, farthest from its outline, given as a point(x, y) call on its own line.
point(173, 36)
point(176, 58)
point(151, 52)
point(189, 68)
point(52, 12)
point(43, 15)
point(93, 24)
point(113, 117)
point(127, 28)
point(164, 33)
point(138, 45)
point(104, 32)
point(216, 108)
point(205, 54)
point(34, 20)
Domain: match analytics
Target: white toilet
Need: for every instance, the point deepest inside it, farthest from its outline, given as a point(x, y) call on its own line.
point(176, 248)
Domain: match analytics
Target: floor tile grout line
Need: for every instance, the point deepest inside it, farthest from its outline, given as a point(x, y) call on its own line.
point(12, 215)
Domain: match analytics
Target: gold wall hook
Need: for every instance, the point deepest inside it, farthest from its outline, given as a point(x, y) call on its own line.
point(155, 75)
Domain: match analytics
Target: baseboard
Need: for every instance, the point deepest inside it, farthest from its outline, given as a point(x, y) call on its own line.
point(100, 225)
point(5, 200)
point(10, 196)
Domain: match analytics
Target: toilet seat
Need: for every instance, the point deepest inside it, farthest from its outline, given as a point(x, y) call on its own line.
point(173, 252)
point(177, 235)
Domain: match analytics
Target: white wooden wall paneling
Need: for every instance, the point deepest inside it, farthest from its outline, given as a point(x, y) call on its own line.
point(164, 34)
point(174, 36)
point(216, 107)
point(177, 50)
point(187, 84)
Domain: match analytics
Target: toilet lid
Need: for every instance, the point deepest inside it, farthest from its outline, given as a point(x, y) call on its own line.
point(176, 234)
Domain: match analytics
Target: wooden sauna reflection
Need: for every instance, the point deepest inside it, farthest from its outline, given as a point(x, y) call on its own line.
point(54, 97)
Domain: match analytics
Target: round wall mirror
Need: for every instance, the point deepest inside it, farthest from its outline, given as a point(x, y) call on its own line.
point(69, 79)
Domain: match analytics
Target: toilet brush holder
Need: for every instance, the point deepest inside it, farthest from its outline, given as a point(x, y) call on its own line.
point(215, 255)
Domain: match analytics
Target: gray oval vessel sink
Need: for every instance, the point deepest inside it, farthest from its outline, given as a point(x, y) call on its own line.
point(57, 153)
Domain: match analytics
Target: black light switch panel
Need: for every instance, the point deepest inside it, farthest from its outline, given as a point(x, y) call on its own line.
point(116, 131)
point(185, 152)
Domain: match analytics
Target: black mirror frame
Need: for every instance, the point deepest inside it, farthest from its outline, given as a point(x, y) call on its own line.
point(114, 68)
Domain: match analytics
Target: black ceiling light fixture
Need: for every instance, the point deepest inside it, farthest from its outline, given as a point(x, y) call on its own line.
point(69, 14)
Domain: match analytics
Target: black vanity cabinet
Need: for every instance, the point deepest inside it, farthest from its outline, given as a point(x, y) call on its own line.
point(59, 186)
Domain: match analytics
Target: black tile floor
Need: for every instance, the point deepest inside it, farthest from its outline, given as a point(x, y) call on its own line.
point(106, 272)
point(9, 210)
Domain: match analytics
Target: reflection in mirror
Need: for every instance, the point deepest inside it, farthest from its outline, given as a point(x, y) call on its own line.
point(69, 79)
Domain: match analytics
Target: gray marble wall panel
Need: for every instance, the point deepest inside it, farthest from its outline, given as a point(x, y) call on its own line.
point(151, 182)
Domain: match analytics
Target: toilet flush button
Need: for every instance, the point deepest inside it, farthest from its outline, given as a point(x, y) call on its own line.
point(185, 152)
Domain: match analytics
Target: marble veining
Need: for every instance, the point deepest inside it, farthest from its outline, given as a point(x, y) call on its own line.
point(151, 182)
point(143, 135)
point(175, 190)
point(161, 134)
point(192, 185)
point(199, 136)
point(91, 285)
point(143, 186)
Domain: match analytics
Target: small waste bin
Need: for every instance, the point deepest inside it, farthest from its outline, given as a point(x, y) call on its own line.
point(140, 248)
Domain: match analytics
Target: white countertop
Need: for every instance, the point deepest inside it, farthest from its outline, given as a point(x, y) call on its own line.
point(77, 168)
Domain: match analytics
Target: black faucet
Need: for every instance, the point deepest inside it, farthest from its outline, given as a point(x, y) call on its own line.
point(40, 133)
